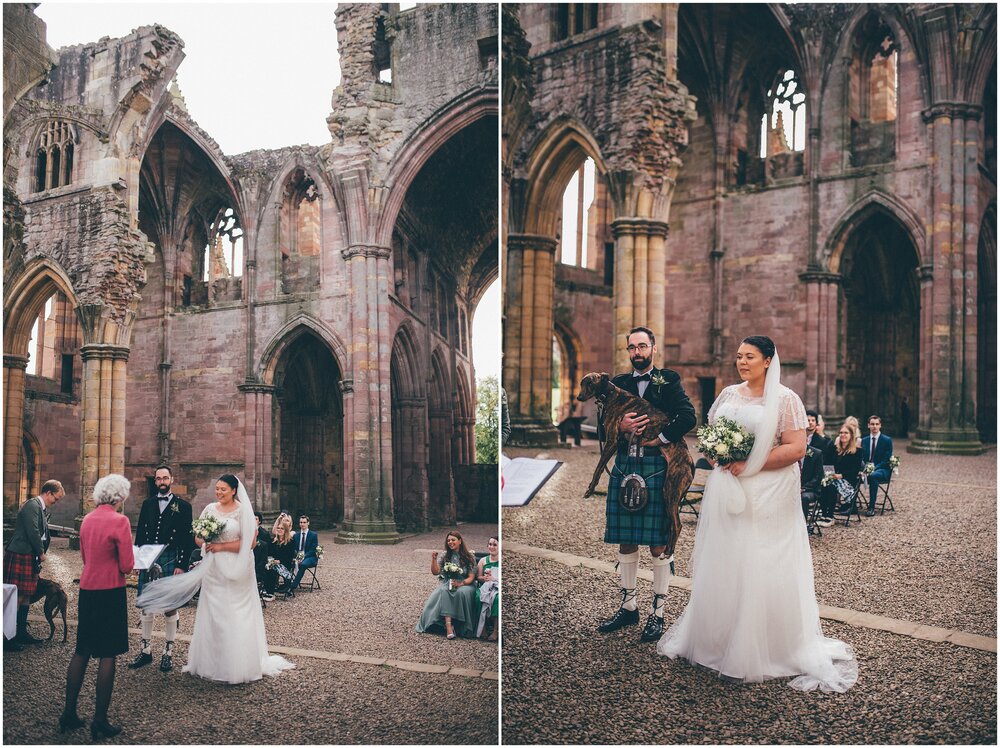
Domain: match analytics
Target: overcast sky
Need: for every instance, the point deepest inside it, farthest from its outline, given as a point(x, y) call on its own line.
point(255, 75)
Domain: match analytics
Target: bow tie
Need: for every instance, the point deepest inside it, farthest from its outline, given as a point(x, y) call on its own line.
point(643, 377)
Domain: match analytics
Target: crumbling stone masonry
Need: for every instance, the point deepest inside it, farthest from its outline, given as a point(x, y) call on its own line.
point(833, 187)
point(298, 316)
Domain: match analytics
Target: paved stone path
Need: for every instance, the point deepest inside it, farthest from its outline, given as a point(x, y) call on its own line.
point(362, 674)
point(913, 592)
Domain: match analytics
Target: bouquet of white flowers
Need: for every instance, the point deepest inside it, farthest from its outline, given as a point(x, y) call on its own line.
point(207, 528)
point(868, 468)
point(725, 441)
point(319, 551)
point(451, 571)
point(828, 479)
point(272, 563)
point(894, 464)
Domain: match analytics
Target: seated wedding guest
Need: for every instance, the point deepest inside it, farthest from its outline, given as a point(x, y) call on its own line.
point(102, 629)
point(488, 593)
point(282, 550)
point(811, 474)
point(260, 553)
point(845, 456)
point(876, 448)
point(305, 541)
point(453, 601)
point(855, 425)
point(813, 437)
point(821, 426)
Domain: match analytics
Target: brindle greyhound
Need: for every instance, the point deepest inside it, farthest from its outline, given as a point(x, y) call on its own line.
point(680, 467)
point(55, 600)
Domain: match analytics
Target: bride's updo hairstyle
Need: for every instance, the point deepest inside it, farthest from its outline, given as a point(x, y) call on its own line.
point(231, 481)
point(762, 343)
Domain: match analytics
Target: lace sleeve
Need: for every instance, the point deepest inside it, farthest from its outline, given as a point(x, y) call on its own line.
point(723, 396)
point(206, 511)
point(792, 416)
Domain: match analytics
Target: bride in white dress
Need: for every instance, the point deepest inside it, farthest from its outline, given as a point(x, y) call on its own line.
point(228, 643)
point(752, 614)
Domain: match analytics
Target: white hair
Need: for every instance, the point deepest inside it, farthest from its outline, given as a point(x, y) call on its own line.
point(111, 489)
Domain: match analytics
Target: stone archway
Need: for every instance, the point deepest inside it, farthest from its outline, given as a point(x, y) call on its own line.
point(880, 317)
point(309, 432)
point(986, 329)
point(409, 437)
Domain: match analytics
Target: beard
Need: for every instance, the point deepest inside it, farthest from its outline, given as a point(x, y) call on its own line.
point(163, 490)
point(641, 363)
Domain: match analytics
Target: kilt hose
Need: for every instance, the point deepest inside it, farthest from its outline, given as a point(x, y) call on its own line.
point(651, 526)
point(21, 570)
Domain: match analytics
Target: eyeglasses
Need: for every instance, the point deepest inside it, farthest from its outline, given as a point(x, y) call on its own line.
point(642, 348)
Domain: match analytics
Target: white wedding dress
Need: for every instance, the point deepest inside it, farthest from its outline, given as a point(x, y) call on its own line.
point(228, 643)
point(752, 614)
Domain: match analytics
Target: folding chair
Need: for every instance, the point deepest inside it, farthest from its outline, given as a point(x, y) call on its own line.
point(883, 490)
point(855, 500)
point(813, 514)
point(309, 580)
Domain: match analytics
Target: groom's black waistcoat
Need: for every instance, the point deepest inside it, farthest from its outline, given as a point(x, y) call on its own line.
point(668, 397)
point(172, 527)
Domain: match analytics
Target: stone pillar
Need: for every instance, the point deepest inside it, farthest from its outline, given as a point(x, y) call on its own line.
point(13, 430)
point(822, 356)
point(368, 515)
point(640, 283)
point(947, 421)
point(103, 426)
point(258, 445)
point(528, 330)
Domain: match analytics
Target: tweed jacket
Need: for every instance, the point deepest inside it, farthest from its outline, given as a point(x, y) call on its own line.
point(30, 529)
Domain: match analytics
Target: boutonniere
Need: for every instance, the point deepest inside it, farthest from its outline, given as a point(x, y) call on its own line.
point(658, 379)
point(174, 508)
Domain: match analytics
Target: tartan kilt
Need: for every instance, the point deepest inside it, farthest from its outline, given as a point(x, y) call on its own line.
point(167, 561)
point(651, 526)
point(20, 569)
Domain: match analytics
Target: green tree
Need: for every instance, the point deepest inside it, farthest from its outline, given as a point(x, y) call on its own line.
point(488, 421)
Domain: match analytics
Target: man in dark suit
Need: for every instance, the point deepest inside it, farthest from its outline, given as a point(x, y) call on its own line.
point(649, 525)
point(811, 475)
point(261, 551)
point(164, 519)
point(305, 545)
point(813, 437)
point(877, 449)
point(23, 557)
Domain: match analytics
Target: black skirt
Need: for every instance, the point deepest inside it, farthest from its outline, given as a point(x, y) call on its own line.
point(103, 626)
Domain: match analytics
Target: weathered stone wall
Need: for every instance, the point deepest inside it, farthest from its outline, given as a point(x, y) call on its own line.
point(27, 57)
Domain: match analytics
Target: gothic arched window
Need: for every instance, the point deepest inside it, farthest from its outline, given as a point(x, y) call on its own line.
point(54, 156)
point(873, 85)
point(783, 126)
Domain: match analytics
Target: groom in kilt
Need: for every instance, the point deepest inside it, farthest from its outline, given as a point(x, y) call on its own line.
point(165, 519)
point(628, 524)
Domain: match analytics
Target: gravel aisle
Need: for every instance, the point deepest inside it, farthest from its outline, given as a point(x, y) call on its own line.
point(369, 604)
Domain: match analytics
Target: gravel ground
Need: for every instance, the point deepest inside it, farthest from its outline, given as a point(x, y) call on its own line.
point(371, 599)
point(564, 683)
point(933, 561)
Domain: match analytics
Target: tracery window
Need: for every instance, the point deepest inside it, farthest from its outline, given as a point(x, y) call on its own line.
point(54, 156)
point(224, 251)
point(783, 126)
point(577, 209)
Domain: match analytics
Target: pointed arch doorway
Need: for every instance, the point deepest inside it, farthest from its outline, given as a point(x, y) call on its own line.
point(309, 429)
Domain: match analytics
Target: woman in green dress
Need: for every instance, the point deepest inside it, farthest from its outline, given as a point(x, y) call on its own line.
point(453, 601)
point(488, 594)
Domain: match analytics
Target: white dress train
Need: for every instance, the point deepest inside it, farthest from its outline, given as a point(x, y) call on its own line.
point(752, 614)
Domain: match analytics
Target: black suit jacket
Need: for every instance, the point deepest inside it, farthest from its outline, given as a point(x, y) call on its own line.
point(812, 470)
point(668, 397)
point(172, 528)
point(819, 442)
point(263, 548)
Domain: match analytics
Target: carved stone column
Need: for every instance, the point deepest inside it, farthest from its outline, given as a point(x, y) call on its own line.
point(822, 355)
point(528, 331)
point(947, 421)
point(368, 515)
point(640, 283)
point(13, 430)
point(103, 426)
point(258, 445)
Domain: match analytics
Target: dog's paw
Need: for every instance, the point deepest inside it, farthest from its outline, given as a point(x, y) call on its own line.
point(590, 492)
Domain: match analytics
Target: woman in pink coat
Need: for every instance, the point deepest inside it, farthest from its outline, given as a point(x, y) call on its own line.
point(102, 632)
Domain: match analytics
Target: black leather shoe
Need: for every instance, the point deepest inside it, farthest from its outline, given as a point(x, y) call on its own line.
point(70, 722)
point(100, 730)
point(870, 513)
point(11, 645)
point(166, 663)
point(653, 629)
point(619, 620)
point(142, 659)
point(25, 638)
